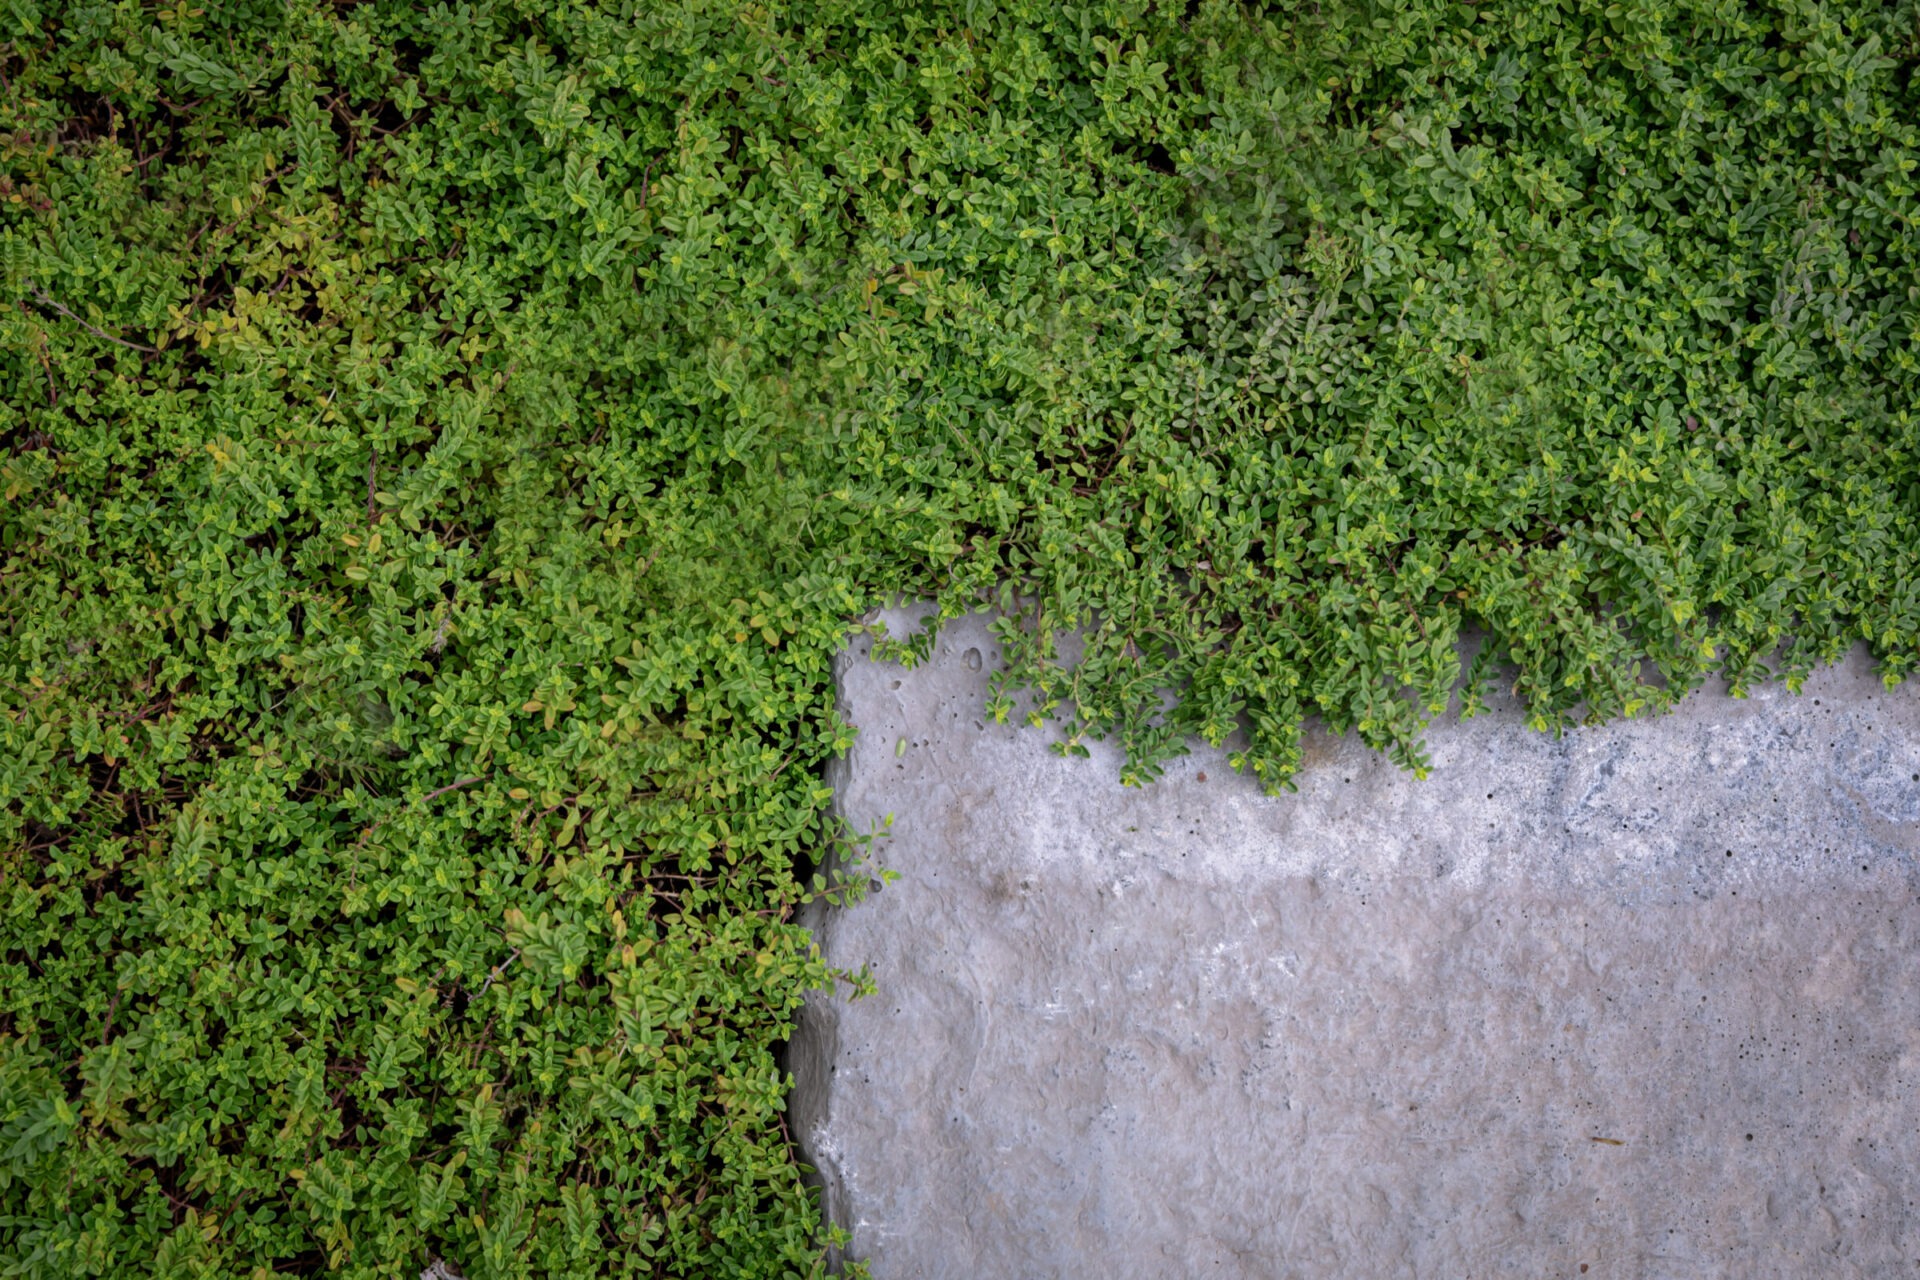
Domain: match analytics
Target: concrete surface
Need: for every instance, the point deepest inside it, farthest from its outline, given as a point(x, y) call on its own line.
point(1640, 1001)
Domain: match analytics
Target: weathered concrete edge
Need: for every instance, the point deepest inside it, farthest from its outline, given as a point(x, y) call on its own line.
point(816, 1041)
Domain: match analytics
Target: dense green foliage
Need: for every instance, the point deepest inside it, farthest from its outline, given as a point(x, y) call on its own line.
point(441, 447)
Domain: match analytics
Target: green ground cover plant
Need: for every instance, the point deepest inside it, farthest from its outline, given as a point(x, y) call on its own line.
point(444, 444)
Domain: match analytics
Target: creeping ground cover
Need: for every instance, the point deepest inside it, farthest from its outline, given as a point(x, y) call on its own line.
point(442, 446)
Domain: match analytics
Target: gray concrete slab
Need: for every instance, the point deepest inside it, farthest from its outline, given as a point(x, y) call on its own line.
point(1638, 1001)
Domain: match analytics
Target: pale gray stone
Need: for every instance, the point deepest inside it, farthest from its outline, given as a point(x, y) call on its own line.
point(1637, 1001)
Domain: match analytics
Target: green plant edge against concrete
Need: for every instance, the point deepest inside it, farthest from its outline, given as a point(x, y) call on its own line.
point(446, 444)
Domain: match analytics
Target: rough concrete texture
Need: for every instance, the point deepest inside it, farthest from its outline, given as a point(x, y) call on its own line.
point(1640, 1001)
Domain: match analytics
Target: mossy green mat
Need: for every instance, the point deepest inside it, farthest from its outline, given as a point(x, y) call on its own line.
point(444, 445)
